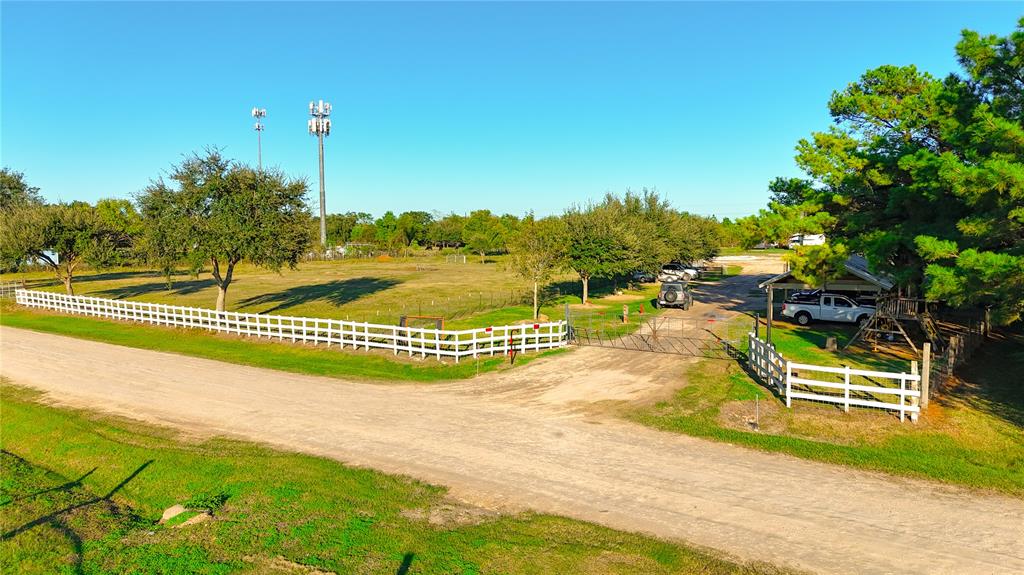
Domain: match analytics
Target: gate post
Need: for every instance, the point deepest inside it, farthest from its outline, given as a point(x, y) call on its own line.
point(789, 385)
point(926, 373)
point(914, 386)
point(568, 325)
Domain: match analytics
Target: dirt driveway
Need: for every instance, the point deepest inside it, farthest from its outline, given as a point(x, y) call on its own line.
point(519, 443)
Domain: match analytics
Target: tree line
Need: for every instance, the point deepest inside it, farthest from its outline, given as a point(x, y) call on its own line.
point(213, 213)
point(922, 175)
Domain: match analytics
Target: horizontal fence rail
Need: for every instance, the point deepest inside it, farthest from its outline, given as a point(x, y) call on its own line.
point(490, 341)
point(887, 390)
point(900, 392)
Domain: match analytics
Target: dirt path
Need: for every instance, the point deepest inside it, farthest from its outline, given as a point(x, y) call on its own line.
point(531, 453)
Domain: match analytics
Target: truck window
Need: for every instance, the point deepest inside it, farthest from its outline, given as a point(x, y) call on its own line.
point(826, 301)
point(843, 302)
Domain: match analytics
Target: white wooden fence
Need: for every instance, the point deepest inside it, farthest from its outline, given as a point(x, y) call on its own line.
point(360, 335)
point(767, 364)
point(893, 391)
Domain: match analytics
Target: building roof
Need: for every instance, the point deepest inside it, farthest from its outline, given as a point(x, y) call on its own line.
point(857, 277)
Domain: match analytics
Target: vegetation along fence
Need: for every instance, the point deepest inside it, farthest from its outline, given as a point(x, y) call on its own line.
point(844, 386)
point(360, 335)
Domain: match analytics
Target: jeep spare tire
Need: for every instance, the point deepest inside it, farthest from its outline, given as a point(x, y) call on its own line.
point(671, 296)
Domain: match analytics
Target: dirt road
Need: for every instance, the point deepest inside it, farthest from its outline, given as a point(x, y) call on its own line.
point(532, 452)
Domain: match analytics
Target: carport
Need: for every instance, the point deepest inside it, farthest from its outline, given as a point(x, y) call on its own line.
point(856, 278)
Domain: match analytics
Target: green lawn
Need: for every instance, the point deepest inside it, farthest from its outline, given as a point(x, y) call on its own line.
point(82, 493)
point(355, 289)
point(973, 435)
point(320, 360)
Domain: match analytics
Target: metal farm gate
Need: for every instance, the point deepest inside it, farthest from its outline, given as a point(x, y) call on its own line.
point(695, 337)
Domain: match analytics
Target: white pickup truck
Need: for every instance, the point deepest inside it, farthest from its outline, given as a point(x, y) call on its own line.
point(829, 307)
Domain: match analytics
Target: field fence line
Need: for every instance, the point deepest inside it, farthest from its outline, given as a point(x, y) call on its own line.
point(439, 343)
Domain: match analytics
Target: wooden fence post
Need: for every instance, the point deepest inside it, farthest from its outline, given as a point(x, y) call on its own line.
point(926, 373)
point(789, 385)
point(914, 386)
point(846, 389)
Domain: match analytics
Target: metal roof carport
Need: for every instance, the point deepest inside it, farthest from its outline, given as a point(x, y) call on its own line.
point(856, 278)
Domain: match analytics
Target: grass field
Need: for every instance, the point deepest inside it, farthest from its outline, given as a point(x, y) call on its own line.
point(355, 289)
point(973, 435)
point(82, 493)
point(310, 359)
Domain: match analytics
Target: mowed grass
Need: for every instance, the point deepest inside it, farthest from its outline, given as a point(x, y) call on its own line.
point(293, 357)
point(972, 435)
point(82, 493)
point(321, 360)
point(354, 289)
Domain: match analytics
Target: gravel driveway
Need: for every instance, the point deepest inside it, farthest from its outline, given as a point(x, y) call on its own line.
point(506, 444)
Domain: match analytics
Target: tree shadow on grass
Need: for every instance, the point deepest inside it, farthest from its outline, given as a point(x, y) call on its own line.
point(991, 381)
point(599, 287)
point(403, 569)
point(177, 288)
point(337, 292)
point(57, 516)
point(59, 520)
point(62, 487)
point(118, 275)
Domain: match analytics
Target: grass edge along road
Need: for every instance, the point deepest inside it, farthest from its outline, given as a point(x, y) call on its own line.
point(296, 358)
point(271, 509)
point(304, 358)
point(972, 436)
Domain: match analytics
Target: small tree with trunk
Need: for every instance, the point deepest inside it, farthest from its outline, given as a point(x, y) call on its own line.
point(221, 213)
point(537, 252)
point(483, 233)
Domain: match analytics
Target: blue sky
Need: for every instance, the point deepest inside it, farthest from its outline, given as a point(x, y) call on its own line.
point(452, 106)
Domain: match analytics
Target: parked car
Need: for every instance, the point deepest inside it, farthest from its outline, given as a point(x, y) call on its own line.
point(677, 272)
point(644, 277)
point(813, 296)
point(828, 307)
point(806, 296)
point(674, 294)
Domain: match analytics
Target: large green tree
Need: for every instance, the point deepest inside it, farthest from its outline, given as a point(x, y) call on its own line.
point(483, 233)
point(599, 243)
point(218, 213)
point(63, 237)
point(15, 191)
point(17, 202)
point(925, 176)
point(446, 232)
point(341, 226)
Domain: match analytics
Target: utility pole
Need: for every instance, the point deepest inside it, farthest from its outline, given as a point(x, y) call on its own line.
point(259, 114)
point(320, 126)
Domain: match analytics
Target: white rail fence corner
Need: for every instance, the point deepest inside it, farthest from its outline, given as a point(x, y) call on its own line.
point(439, 343)
point(849, 387)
